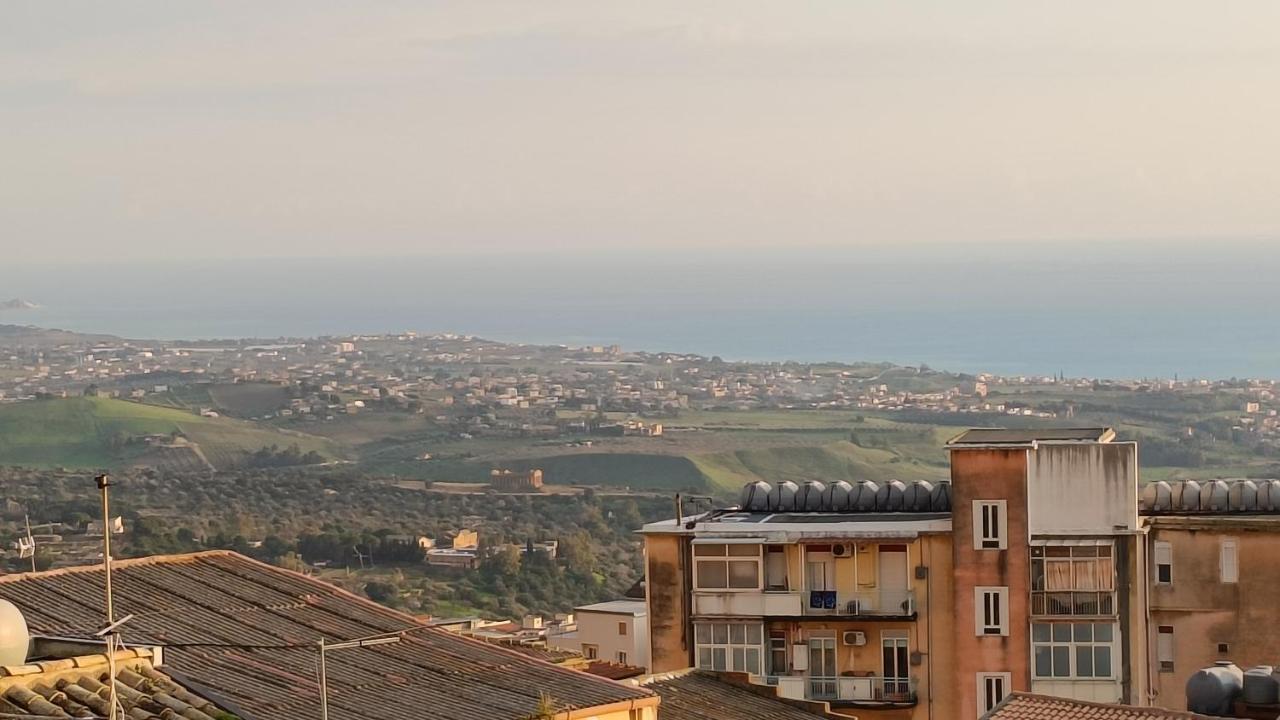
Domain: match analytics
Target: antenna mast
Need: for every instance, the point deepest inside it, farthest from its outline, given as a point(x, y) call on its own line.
point(112, 635)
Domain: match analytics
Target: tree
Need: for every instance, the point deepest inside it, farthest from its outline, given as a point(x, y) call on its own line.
point(381, 592)
point(503, 562)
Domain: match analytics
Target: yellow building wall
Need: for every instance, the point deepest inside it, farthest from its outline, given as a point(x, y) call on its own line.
point(668, 595)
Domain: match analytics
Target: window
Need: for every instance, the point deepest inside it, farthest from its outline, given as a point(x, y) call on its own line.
point(727, 567)
point(1072, 650)
point(1164, 563)
point(590, 652)
point(622, 628)
point(990, 528)
point(729, 646)
point(1164, 648)
point(1078, 580)
point(777, 653)
point(992, 610)
point(992, 688)
point(1229, 564)
point(775, 568)
point(622, 658)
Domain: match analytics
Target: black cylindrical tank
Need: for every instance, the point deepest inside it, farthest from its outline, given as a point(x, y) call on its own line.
point(1213, 690)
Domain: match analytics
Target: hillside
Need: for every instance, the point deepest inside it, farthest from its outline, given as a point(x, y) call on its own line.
point(104, 433)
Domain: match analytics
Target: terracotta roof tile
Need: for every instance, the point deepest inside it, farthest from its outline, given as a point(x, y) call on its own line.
point(701, 696)
point(187, 602)
point(1026, 706)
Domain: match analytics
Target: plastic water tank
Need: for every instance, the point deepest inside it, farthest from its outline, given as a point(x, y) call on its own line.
point(1215, 496)
point(1157, 497)
point(809, 496)
point(783, 496)
point(863, 498)
point(1260, 686)
point(940, 499)
point(1243, 496)
point(836, 498)
point(1213, 690)
point(1269, 495)
point(890, 497)
point(1189, 497)
point(14, 636)
point(755, 496)
point(918, 496)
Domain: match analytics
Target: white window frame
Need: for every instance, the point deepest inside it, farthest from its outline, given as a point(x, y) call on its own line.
point(988, 535)
point(590, 652)
point(712, 641)
point(1163, 557)
point(986, 602)
point(1229, 561)
point(1164, 648)
point(622, 657)
point(703, 553)
point(1003, 678)
point(1072, 645)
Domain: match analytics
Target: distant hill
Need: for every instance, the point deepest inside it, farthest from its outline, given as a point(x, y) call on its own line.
point(106, 433)
point(32, 336)
point(17, 304)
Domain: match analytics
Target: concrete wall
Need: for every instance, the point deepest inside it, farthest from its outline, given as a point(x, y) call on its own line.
point(1082, 489)
point(667, 591)
point(989, 474)
point(1203, 611)
point(601, 629)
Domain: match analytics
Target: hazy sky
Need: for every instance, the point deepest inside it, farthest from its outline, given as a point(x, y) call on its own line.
point(226, 128)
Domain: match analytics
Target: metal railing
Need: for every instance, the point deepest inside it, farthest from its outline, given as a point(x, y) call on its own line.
point(872, 602)
point(871, 689)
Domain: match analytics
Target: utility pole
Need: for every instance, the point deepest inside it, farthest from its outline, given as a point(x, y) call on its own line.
point(110, 632)
point(322, 670)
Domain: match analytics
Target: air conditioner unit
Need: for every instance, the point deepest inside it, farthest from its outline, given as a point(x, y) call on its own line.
point(855, 637)
point(840, 550)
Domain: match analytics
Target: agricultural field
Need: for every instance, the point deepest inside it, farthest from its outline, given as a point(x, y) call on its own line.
point(105, 433)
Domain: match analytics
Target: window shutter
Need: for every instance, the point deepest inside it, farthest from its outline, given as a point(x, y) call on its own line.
point(1230, 561)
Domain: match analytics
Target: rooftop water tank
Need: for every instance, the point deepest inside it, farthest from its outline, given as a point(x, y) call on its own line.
point(809, 496)
point(782, 498)
point(14, 637)
point(1269, 495)
point(918, 496)
point(940, 499)
point(836, 498)
point(1212, 690)
point(1214, 496)
point(1260, 686)
point(1157, 497)
point(755, 496)
point(890, 497)
point(1243, 496)
point(1189, 496)
point(863, 497)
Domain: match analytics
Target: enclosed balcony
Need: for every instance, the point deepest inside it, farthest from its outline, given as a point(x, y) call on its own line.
point(853, 689)
point(871, 604)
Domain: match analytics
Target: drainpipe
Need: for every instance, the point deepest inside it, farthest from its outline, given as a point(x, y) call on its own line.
point(928, 611)
point(1149, 543)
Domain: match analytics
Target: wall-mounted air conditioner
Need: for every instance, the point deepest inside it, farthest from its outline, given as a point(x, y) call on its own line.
point(855, 637)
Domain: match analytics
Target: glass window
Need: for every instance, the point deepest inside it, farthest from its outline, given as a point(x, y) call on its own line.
point(734, 647)
point(722, 567)
point(1073, 581)
point(737, 634)
point(713, 574)
point(1072, 650)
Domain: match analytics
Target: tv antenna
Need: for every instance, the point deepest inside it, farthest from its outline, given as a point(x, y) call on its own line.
point(28, 548)
point(111, 632)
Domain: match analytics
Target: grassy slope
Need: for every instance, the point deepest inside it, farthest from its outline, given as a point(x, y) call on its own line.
point(75, 432)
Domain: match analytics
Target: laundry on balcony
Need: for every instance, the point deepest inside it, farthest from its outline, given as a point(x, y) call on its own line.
point(822, 599)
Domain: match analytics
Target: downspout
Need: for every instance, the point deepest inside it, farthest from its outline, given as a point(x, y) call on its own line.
point(1148, 543)
point(928, 611)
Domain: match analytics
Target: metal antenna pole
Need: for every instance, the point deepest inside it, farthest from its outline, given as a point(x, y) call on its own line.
point(104, 482)
point(324, 685)
point(32, 542)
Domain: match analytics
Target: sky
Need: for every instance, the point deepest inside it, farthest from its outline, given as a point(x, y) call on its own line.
point(243, 129)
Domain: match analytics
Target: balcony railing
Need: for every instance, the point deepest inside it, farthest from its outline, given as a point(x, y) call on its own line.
point(873, 603)
point(863, 604)
point(853, 689)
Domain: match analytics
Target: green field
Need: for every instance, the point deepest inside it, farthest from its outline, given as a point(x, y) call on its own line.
point(94, 433)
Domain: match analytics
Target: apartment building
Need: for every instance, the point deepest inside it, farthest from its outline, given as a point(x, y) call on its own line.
point(1022, 572)
point(1213, 577)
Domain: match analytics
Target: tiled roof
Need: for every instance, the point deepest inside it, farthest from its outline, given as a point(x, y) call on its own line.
point(76, 687)
point(1026, 706)
point(613, 670)
point(201, 605)
point(700, 696)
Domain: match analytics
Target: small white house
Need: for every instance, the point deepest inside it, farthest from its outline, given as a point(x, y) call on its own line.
point(616, 631)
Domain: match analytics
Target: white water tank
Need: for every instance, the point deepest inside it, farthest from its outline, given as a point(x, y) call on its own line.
point(14, 637)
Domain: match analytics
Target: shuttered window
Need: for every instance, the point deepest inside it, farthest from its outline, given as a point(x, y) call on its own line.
point(1164, 563)
point(1230, 561)
point(991, 610)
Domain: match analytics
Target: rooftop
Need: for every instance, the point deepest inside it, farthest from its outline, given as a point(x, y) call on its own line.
point(701, 696)
point(795, 526)
point(75, 686)
point(1026, 706)
point(244, 631)
point(1004, 436)
point(617, 607)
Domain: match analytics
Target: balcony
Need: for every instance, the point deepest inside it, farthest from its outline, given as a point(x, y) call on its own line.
point(806, 603)
point(851, 690)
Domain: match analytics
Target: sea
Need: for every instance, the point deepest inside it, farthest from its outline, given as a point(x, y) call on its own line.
point(1148, 310)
